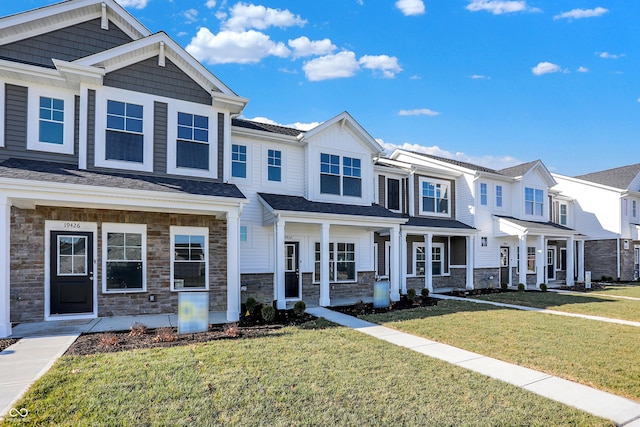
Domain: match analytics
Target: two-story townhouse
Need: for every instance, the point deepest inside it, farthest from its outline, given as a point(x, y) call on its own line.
point(606, 210)
point(509, 211)
point(307, 233)
point(113, 143)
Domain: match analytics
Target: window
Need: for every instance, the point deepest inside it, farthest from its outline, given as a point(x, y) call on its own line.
point(124, 136)
point(419, 268)
point(393, 194)
point(634, 208)
point(483, 194)
point(533, 201)
point(531, 259)
point(189, 258)
point(484, 242)
point(329, 174)
point(437, 259)
point(274, 165)
point(51, 126)
point(563, 214)
point(342, 262)
point(72, 255)
point(192, 145)
point(239, 161)
point(50, 120)
point(243, 233)
point(352, 182)
point(124, 257)
point(435, 197)
point(498, 196)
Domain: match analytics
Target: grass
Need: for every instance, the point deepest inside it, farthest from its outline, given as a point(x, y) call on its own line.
point(597, 354)
point(625, 290)
point(332, 376)
point(587, 303)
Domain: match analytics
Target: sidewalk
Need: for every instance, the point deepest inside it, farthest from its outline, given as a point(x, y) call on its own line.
point(622, 411)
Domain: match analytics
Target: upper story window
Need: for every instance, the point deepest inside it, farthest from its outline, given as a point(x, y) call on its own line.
point(274, 165)
point(634, 209)
point(124, 136)
point(352, 181)
point(329, 174)
point(349, 183)
point(483, 194)
point(192, 145)
point(239, 161)
point(434, 197)
point(498, 196)
point(393, 194)
point(50, 121)
point(563, 214)
point(533, 201)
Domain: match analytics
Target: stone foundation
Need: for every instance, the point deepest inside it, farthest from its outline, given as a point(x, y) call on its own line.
point(259, 287)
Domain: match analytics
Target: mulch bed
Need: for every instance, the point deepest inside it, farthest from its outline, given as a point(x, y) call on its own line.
point(579, 287)
point(362, 309)
point(6, 342)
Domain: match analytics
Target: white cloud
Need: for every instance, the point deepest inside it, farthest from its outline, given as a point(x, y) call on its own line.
point(296, 125)
point(607, 55)
point(499, 7)
point(191, 15)
point(387, 65)
point(228, 47)
point(582, 13)
point(245, 16)
point(545, 68)
point(302, 46)
point(135, 4)
point(210, 4)
point(479, 77)
point(582, 69)
point(410, 7)
point(418, 112)
point(340, 65)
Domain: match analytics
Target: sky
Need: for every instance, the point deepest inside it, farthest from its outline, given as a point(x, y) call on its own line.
point(491, 82)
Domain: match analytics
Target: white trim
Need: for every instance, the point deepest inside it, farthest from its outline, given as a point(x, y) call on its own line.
point(264, 166)
point(386, 196)
point(429, 259)
point(5, 269)
point(35, 92)
point(335, 244)
point(141, 229)
point(190, 231)
point(79, 226)
point(424, 179)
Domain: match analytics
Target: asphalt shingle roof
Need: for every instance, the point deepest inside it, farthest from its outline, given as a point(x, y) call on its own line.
point(247, 124)
point(34, 170)
point(281, 202)
point(457, 162)
point(436, 223)
point(518, 170)
point(621, 177)
point(536, 224)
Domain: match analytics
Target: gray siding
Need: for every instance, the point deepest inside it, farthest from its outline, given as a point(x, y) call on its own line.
point(382, 195)
point(67, 44)
point(91, 129)
point(15, 143)
point(220, 145)
point(160, 137)
point(168, 81)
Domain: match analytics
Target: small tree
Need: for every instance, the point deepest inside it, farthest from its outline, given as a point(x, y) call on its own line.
point(424, 292)
point(411, 294)
point(543, 287)
point(299, 308)
point(268, 313)
point(521, 287)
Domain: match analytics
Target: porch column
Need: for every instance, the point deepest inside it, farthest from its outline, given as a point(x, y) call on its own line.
point(470, 241)
point(570, 262)
point(580, 260)
point(394, 264)
point(428, 261)
point(233, 267)
point(5, 257)
point(522, 265)
point(281, 302)
point(541, 261)
point(325, 299)
point(404, 262)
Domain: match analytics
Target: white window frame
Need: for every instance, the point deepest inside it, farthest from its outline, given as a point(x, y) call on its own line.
point(423, 180)
point(534, 203)
point(484, 194)
point(484, 241)
point(175, 230)
point(333, 259)
point(111, 94)
point(124, 228)
point(247, 162)
point(560, 214)
point(634, 209)
point(531, 255)
point(33, 119)
point(173, 108)
point(434, 245)
point(386, 189)
point(499, 197)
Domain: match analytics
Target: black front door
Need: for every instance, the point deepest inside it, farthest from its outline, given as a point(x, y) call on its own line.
point(291, 270)
point(504, 266)
point(71, 284)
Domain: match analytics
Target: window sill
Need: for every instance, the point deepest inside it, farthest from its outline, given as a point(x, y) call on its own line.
point(123, 291)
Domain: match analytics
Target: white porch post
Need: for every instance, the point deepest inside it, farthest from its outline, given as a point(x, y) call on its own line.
point(404, 260)
point(471, 241)
point(233, 266)
point(428, 261)
point(279, 270)
point(325, 299)
point(570, 261)
point(5, 257)
point(395, 263)
point(522, 274)
point(580, 260)
point(541, 260)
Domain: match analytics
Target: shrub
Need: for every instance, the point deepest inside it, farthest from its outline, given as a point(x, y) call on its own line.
point(250, 304)
point(543, 287)
point(520, 287)
point(137, 330)
point(299, 308)
point(424, 292)
point(231, 330)
point(504, 286)
point(109, 340)
point(268, 313)
point(411, 294)
point(165, 334)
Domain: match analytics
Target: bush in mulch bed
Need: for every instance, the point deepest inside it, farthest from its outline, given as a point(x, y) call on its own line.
point(580, 287)
point(362, 308)
point(463, 293)
point(6, 342)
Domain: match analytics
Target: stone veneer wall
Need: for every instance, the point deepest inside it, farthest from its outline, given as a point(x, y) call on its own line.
point(27, 261)
point(600, 258)
point(361, 289)
point(456, 279)
point(259, 287)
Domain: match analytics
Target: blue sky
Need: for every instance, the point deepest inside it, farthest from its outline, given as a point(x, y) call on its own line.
point(491, 82)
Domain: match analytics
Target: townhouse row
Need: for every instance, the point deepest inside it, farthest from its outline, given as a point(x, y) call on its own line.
point(127, 177)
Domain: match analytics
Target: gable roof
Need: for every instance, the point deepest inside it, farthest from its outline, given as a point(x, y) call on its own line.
point(345, 119)
point(454, 162)
point(518, 170)
point(265, 127)
point(621, 177)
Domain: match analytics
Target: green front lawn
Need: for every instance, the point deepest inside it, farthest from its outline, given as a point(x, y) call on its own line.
point(625, 290)
point(333, 376)
point(583, 303)
point(598, 354)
